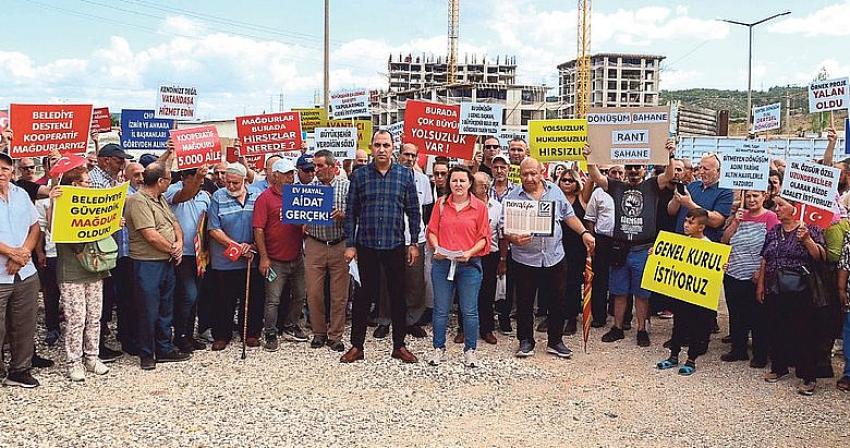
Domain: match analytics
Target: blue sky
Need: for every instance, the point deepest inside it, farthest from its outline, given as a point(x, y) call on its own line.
point(116, 52)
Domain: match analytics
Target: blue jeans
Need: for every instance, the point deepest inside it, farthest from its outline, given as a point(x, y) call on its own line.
point(185, 297)
point(846, 344)
point(467, 282)
point(154, 281)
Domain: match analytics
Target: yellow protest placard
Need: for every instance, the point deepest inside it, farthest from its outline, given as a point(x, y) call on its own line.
point(687, 269)
point(364, 131)
point(312, 118)
point(513, 174)
point(82, 215)
point(557, 140)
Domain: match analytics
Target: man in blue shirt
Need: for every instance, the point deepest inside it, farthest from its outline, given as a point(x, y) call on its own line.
point(707, 194)
point(539, 260)
point(379, 197)
point(189, 204)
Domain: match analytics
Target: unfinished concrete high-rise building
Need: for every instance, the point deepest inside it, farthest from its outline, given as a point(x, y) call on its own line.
point(408, 72)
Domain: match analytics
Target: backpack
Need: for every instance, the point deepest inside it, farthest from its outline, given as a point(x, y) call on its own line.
point(98, 256)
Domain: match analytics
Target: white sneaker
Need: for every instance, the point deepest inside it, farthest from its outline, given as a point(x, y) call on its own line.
point(470, 359)
point(96, 366)
point(438, 358)
point(76, 372)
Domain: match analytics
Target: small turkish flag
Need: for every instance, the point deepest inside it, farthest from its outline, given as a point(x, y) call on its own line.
point(66, 163)
point(814, 216)
point(233, 251)
point(4, 120)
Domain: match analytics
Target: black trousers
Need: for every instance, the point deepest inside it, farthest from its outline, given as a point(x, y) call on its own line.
point(800, 335)
point(529, 280)
point(204, 306)
point(370, 261)
point(601, 266)
point(122, 286)
point(504, 307)
point(693, 324)
point(486, 296)
point(230, 291)
point(50, 290)
point(746, 316)
point(575, 265)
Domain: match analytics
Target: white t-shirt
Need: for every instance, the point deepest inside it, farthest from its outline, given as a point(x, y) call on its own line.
point(600, 211)
point(423, 191)
point(41, 206)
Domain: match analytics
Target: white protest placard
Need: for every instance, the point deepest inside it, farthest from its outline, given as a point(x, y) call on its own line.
point(176, 102)
point(350, 104)
point(524, 217)
point(506, 135)
point(832, 94)
point(341, 141)
point(811, 183)
point(397, 131)
point(480, 118)
point(628, 135)
point(746, 167)
point(767, 118)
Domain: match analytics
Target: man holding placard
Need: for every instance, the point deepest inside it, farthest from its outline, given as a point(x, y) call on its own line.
point(531, 226)
point(635, 228)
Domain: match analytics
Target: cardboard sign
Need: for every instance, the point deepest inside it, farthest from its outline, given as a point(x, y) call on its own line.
point(176, 102)
point(307, 204)
point(312, 118)
point(524, 217)
point(767, 118)
point(82, 215)
point(810, 183)
point(433, 128)
point(397, 131)
point(349, 104)
point(746, 167)
point(832, 94)
point(101, 121)
point(628, 135)
point(480, 118)
point(687, 269)
point(41, 128)
point(140, 130)
point(364, 131)
point(270, 133)
point(342, 142)
point(557, 140)
point(196, 147)
point(813, 216)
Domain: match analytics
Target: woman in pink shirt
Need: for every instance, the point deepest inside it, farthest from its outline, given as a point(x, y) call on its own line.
point(459, 232)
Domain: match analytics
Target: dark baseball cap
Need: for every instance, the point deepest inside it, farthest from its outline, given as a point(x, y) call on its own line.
point(5, 157)
point(113, 150)
point(305, 162)
point(147, 158)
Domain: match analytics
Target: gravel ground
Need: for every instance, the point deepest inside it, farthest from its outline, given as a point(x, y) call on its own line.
point(611, 396)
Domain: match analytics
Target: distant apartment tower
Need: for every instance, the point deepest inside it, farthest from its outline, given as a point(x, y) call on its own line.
point(616, 80)
point(416, 72)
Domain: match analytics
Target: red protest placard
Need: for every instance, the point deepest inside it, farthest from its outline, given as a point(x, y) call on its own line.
point(196, 147)
point(271, 133)
point(41, 128)
point(256, 162)
point(101, 121)
point(434, 129)
point(230, 155)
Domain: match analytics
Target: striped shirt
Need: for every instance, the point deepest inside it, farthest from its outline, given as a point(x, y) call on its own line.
point(747, 242)
point(101, 179)
point(235, 220)
point(377, 204)
point(335, 231)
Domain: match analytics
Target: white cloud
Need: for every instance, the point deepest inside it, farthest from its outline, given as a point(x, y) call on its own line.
point(829, 21)
point(181, 25)
point(680, 79)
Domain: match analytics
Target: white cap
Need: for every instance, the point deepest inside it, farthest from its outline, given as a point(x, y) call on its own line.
point(237, 168)
point(283, 166)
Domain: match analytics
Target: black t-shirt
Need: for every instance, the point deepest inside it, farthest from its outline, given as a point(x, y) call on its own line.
point(30, 187)
point(209, 186)
point(664, 220)
point(485, 169)
point(635, 210)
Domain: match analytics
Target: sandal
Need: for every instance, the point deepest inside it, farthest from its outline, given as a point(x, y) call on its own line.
point(668, 363)
point(687, 370)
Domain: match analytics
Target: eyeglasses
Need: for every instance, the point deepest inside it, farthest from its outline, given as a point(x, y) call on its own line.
point(492, 146)
point(440, 174)
point(567, 180)
point(382, 145)
point(28, 168)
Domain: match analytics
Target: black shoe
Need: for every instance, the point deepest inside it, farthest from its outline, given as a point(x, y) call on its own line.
point(543, 326)
point(184, 345)
point(52, 338)
point(505, 325)
point(381, 331)
point(337, 346)
point(21, 379)
point(643, 338)
point(732, 357)
point(614, 334)
point(41, 363)
point(570, 328)
point(627, 325)
point(560, 350)
point(727, 339)
point(426, 318)
point(541, 313)
point(147, 362)
point(271, 344)
point(597, 324)
point(758, 363)
point(129, 350)
point(416, 331)
point(107, 355)
point(526, 349)
point(173, 356)
point(196, 344)
point(318, 341)
point(294, 333)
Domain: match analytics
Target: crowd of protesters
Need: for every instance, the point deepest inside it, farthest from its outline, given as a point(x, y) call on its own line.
point(204, 258)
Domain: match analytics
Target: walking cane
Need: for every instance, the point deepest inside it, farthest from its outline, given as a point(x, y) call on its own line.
point(245, 311)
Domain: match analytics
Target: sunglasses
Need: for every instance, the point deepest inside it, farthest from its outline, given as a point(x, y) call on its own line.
point(28, 168)
point(567, 180)
point(492, 146)
point(440, 174)
point(632, 167)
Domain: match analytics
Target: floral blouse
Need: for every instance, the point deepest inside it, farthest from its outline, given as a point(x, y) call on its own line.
point(784, 250)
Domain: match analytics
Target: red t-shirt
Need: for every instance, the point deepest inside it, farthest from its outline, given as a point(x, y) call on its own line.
point(460, 230)
point(283, 241)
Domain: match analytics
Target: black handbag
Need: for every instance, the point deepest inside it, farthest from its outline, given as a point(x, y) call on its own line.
point(821, 281)
point(791, 281)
